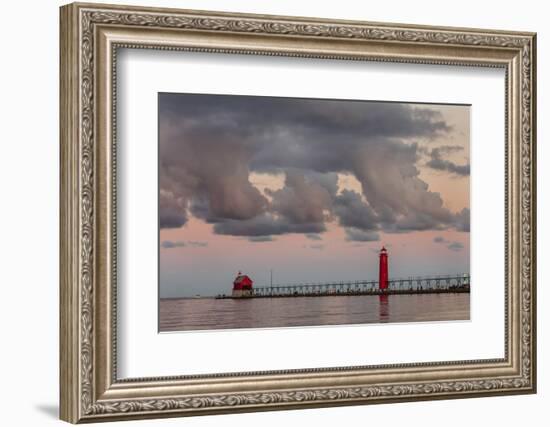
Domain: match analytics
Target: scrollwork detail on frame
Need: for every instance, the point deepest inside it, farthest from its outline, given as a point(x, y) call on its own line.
point(90, 18)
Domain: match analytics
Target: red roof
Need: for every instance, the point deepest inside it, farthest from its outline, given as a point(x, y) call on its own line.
point(242, 281)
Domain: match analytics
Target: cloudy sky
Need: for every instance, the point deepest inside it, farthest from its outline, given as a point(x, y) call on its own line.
point(308, 188)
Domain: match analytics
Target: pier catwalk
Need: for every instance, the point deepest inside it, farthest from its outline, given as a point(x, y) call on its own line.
point(243, 285)
point(458, 283)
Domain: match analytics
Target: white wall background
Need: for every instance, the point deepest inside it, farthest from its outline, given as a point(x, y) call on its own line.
point(29, 170)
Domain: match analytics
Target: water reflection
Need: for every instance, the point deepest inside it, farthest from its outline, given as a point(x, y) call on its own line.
point(384, 308)
point(210, 313)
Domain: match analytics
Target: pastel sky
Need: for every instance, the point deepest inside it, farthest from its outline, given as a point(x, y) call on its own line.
point(310, 189)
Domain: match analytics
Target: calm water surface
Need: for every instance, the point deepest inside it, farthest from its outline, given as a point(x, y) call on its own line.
point(184, 314)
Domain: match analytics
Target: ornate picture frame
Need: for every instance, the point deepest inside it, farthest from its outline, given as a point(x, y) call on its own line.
point(90, 37)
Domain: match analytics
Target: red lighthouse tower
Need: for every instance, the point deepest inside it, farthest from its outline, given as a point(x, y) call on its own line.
point(383, 269)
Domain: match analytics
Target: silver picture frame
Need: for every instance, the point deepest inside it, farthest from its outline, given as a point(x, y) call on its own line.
point(90, 37)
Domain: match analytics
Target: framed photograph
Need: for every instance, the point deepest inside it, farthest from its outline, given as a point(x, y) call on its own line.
point(312, 190)
point(265, 212)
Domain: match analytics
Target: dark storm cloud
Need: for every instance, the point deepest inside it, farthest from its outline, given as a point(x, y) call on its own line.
point(172, 212)
point(265, 225)
point(455, 246)
point(447, 149)
point(417, 221)
point(438, 163)
point(352, 211)
point(209, 145)
point(391, 184)
point(196, 244)
point(172, 218)
point(318, 247)
point(307, 139)
point(452, 246)
point(210, 163)
point(312, 236)
point(462, 220)
point(260, 239)
point(304, 199)
point(168, 244)
point(358, 235)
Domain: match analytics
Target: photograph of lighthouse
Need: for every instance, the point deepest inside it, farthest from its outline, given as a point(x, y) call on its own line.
point(290, 212)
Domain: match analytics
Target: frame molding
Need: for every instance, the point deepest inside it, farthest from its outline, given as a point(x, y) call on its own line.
point(90, 37)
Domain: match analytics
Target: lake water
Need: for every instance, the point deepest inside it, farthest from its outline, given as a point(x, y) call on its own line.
point(184, 314)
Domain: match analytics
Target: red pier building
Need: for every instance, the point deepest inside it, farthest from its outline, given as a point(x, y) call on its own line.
point(242, 286)
point(383, 269)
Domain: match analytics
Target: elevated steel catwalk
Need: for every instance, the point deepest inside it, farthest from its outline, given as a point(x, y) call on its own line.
point(415, 285)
